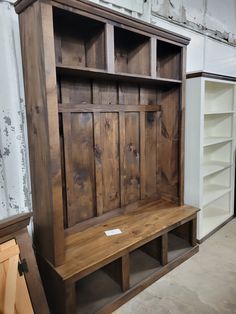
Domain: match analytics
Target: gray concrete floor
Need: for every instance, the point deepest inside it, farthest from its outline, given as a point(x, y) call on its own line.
point(205, 284)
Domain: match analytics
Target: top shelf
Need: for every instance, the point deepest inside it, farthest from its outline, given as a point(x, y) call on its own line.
point(96, 73)
point(82, 42)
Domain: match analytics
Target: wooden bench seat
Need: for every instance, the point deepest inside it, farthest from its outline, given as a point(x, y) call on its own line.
point(91, 249)
point(160, 231)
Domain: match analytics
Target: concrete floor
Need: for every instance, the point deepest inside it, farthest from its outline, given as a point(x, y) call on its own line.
point(205, 284)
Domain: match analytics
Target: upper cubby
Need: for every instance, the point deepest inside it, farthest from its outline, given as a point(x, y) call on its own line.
point(132, 52)
point(168, 60)
point(79, 41)
point(219, 97)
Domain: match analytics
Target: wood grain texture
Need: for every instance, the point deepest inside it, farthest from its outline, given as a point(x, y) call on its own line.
point(110, 161)
point(105, 92)
point(168, 60)
point(110, 47)
point(132, 158)
point(82, 255)
point(78, 137)
point(41, 107)
point(170, 139)
point(84, 48)
point(75, 90)
point(132, 52)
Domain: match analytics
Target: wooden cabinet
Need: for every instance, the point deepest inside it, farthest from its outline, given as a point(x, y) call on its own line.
point(105, 117)
point(210, 145)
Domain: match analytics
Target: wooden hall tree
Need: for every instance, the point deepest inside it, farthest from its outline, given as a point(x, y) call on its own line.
point(105, 113)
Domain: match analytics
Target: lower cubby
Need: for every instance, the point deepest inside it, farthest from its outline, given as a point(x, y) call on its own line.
point(176, 247)
point(179, 241)
point(96, 291)
point(143, 264)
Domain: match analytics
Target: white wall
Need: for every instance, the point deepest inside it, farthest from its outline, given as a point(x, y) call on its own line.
point(211, 25)
point(14, 175)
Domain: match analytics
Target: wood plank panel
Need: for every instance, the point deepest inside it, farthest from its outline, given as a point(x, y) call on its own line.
point(132, 158)
point(139, 59)
point(80, 168)
point(95, 49)
point(128, 94)
point(105, 92)
point(110, 161)
point(150, 154)
point(122, 157)
point(169, 100)
point(110, 54)
point(143, 173)
point(98, 163)
point(148, 95)
point(76, 90)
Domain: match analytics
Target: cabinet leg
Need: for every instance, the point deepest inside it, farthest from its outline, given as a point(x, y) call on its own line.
point(70, 298)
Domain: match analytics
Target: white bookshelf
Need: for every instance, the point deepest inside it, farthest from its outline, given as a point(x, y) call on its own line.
point(210, 149)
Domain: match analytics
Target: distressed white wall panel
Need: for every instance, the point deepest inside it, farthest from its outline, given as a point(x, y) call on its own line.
point(14, 176)
point(216, 18)
point(194, 11)
point(220, 58)
point(221, 15)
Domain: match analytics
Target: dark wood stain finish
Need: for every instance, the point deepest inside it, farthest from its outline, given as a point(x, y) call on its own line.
point(105, 108)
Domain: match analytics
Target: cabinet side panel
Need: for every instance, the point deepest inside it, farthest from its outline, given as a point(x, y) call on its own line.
point(192, 142)
point(42, 116)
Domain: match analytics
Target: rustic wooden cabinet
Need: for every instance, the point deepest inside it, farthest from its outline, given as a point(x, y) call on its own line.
point(105, 110)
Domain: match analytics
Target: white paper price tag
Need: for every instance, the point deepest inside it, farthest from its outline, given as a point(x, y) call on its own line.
point(112, 232)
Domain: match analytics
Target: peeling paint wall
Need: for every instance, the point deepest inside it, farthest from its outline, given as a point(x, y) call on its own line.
point(15, 194)
point(216, 19)
point(213, 18)
point(211, 25)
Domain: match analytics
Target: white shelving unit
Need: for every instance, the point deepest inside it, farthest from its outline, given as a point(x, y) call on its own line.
point(210, 149)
